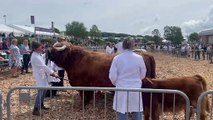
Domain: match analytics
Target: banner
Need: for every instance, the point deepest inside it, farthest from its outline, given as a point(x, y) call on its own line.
point(43, 29)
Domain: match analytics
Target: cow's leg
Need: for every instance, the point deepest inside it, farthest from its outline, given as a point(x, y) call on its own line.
point(86, 96)
point(146, 113)
point(150, 114)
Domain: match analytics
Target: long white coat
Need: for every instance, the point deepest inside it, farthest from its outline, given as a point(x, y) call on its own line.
point(119, 47)
point(127, 71)
point(40, 69)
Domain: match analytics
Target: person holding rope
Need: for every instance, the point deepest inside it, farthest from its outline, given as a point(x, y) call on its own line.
point(39, 72)
point(61, 72)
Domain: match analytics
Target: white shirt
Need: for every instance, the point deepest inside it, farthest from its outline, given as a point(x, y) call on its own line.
point(109, 49)
point(119, 47)
point(40, 69)
point(127, 71)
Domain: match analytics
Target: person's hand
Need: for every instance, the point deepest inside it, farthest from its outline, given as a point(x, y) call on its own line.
point(54, 75)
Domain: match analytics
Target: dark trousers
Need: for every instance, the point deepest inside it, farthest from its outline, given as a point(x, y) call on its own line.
point(61, 83)
point(26, 60)
point(197, 55)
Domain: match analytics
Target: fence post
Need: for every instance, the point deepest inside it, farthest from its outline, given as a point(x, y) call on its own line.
point(1, 99)
point(199, 102)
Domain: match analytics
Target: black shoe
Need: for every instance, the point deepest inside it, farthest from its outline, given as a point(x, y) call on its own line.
point(36, 112)
point(44, 108)
point(23, 73)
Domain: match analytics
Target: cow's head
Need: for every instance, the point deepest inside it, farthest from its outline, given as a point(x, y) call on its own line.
point(58, 53)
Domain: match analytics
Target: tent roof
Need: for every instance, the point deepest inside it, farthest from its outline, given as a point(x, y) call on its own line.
point(7, 29)
point(26, 29)
point(29, 29)
point(206, 32)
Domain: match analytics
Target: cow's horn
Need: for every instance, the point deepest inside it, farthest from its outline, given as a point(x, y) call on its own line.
point(60, 48)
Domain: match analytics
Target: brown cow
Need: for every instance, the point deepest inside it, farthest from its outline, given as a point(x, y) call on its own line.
point(192, 86)
point(88, 68)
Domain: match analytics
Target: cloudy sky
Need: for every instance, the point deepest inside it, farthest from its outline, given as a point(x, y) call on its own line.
point(126, 16)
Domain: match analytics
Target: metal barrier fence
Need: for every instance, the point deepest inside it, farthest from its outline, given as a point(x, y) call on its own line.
point(1, 99)
point(199, 103)
point(23, 109)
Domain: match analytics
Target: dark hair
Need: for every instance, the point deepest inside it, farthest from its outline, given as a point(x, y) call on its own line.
point(35, 45)
point(127, 44)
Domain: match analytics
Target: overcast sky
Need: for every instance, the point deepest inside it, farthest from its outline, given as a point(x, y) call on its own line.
point(126, 16)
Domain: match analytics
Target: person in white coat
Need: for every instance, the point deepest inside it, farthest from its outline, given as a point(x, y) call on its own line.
point(108, 49)
point(60, 71)
point(119, 46)
point(39, 73)
point(127, 71)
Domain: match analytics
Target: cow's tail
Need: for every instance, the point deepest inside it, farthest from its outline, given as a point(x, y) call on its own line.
point(203, 81)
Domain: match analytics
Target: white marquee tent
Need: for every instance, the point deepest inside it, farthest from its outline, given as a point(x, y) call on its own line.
point(7, 29)
point(30, 30)
point(21, 30)
point(165, 41)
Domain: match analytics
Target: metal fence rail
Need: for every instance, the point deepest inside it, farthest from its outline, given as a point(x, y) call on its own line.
point(1, 99)
point(26, 97)
point(199, 103)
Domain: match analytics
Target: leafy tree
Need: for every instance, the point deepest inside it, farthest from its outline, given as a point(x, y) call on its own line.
point(194, 37)
point(76, 29)
point(157, 39)
point(95, 32)
point(147, 38)
point(108, 34)
point(173, 34)
point(156, 36)
point(111, 39)
point(156, 32)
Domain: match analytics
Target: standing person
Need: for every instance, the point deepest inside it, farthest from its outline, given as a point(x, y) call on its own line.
point(60, 74)
point(127, 71)
point(15, 58)
point(25, 51)
point(108, 49)
point(209, 51)
point(39, 72)
point(119, 46)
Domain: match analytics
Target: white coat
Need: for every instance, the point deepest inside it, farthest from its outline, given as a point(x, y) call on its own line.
point(109, 49)
point(127, 71)
point(40, 69)
point(119, 47)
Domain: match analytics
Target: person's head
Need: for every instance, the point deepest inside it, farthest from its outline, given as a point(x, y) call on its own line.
point(14, 41)
point(37, 47)
point(25, 42)
point(108, 43)
point(61, 39)
point(128, 44)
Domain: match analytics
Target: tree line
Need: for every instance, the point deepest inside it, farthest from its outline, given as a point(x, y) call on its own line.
point(80, 33)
